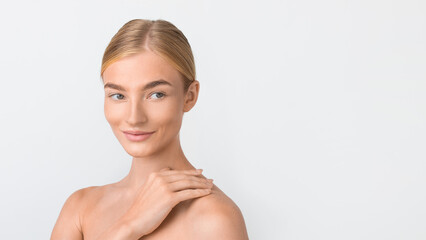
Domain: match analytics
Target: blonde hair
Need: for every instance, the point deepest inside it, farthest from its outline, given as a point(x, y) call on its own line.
point(159, 36)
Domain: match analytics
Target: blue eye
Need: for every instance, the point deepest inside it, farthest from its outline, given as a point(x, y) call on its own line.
point(114, 95)
point(120, 96)
point(161, 94)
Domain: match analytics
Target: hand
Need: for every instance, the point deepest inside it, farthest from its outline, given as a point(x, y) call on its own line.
point(160, 194)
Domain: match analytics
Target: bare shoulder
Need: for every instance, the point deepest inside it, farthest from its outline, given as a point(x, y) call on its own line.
point(68, 224)
point(216, 216)
point(84, 193)
point(83, 197)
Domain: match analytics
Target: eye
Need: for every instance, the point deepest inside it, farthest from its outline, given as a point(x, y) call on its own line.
point(158, 93)
point(114, 95)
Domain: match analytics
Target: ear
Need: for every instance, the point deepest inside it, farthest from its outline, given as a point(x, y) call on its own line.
point(191, 96)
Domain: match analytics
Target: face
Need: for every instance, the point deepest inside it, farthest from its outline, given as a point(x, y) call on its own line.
point(143, 92)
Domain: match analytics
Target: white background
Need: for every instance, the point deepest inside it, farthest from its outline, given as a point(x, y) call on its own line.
point(311, 114)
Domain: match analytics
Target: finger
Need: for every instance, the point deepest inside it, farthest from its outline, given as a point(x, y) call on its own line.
point(165, 169)
point(176, 177)
point(189, 194)
point(187, 171)
point(188, 184)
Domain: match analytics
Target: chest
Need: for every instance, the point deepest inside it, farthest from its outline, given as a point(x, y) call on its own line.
point(102, 214)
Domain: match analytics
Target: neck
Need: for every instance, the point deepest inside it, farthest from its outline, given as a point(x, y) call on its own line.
point(171, 156)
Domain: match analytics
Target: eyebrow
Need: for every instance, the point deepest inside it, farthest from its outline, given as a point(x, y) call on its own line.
point(146, 87)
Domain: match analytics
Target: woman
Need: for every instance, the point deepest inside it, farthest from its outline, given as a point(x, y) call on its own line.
point(148, 74)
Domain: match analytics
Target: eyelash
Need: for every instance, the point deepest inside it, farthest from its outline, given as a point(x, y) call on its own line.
point(149, 95)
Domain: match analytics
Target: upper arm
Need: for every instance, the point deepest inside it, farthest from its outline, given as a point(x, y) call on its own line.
point(68, 223)
point(223, 222)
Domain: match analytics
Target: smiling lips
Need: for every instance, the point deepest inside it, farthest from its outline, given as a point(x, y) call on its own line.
point(136, 132)
point(137, 136)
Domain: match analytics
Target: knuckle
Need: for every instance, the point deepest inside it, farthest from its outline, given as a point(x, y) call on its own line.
point(165, 188)
point(153, 175)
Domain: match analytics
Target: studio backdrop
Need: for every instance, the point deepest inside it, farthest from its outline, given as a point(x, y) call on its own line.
point(311, 114)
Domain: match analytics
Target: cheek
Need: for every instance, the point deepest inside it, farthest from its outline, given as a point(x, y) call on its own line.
point(112, 113)
point(167, 115)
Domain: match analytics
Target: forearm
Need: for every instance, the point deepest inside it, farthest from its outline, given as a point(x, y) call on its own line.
point(121, 230)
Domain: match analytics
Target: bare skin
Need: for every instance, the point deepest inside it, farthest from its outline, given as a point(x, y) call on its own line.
point(162, 197)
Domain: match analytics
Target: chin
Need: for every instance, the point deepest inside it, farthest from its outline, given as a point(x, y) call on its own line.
point(138, 153)
point(138, 150)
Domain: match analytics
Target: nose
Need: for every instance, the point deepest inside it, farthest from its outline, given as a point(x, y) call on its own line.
point(137, 113)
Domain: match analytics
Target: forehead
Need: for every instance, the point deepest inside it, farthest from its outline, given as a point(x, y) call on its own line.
point(139, 69)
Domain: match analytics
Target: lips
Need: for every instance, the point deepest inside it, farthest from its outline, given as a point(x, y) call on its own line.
point(139, 136)
point(137, 132)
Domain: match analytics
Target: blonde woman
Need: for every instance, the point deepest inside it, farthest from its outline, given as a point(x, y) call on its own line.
point(148, 73)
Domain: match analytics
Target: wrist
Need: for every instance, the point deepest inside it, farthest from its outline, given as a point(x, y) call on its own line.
point(126, 229)
point(118, 231)
point(129, 228)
